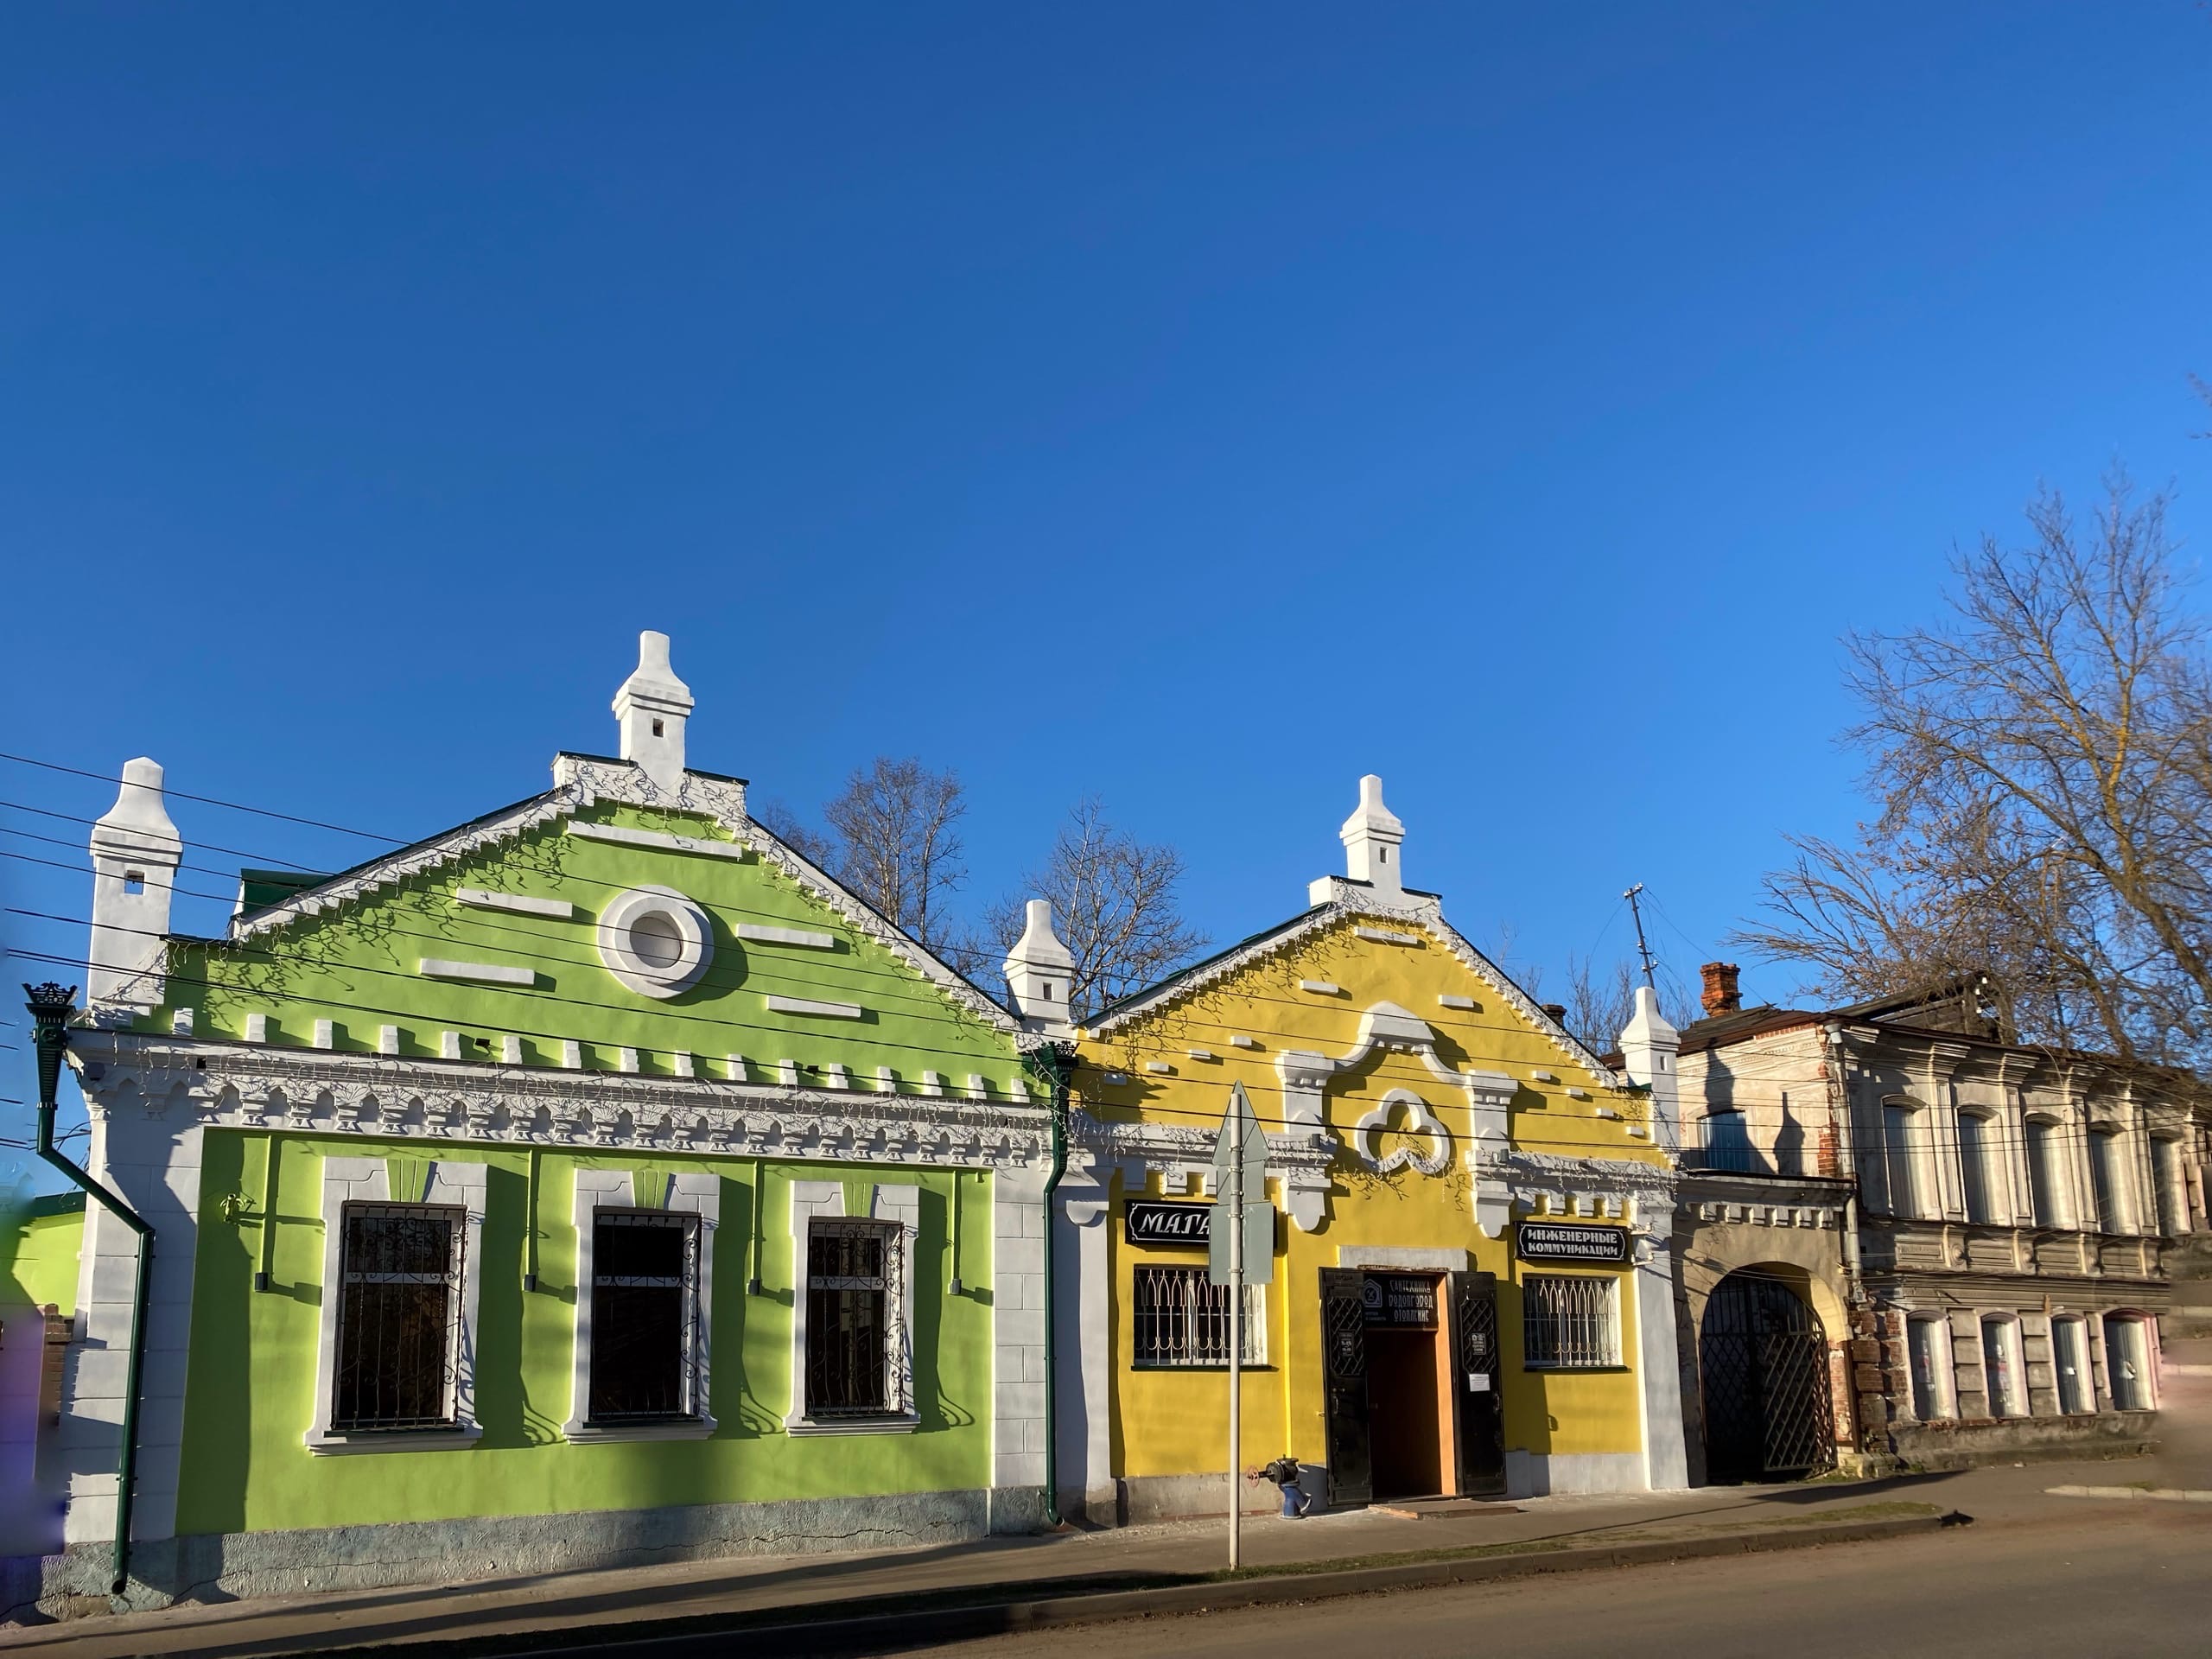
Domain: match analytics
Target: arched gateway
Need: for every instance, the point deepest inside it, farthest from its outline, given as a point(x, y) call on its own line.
point(1763, 1361)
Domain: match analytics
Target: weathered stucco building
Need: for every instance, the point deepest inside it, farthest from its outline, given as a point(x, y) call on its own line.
point(2006, 1215)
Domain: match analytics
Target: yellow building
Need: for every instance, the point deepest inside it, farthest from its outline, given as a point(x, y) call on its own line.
point(1472, 1289)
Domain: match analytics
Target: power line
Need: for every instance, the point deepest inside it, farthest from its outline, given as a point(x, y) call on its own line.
point(210, 800)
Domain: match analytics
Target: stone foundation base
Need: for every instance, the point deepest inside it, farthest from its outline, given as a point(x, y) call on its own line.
point(1972, 1441)
point(233, 1565)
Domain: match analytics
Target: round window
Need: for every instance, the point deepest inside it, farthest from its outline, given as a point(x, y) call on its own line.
point(655, 941)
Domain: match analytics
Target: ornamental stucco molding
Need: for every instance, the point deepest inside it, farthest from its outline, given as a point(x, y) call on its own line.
point(1349, 900)
point(302, 1091)
point(580, 782)
point(1643, 1195)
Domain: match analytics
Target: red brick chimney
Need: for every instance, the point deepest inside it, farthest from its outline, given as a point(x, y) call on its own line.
point(1720, 995)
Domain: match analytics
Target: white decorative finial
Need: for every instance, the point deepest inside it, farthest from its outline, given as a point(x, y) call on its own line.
point(1649, 1046)
point(136, 850)
point(651, 707)
point(1372, 838)
point(1039, 970)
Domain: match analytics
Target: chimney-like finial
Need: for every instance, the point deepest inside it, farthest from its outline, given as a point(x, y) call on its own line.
point(1373, 837)
point(1041, 972)
point(652, 708)
point(136, 850)
point(1719, 995)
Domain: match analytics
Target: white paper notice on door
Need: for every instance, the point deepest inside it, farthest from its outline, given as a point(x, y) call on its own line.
point(1478, 1382)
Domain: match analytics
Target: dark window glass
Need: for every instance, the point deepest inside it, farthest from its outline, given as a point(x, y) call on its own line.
point(398, 1301)
point(644, 1278)
point(851, 1310)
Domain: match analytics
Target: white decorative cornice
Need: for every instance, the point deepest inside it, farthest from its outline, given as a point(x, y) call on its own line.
point(307, 1091)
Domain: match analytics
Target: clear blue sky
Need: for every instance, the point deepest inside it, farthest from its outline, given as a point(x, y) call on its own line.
point(1199, 406)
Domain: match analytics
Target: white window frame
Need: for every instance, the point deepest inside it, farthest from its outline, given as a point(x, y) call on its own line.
point(825, 1200)
point(2015, 1350)
point(688, 1194)
point(1254, 1329)
point(1610, 1295)
point(365, 1180)
point(1942, 1381)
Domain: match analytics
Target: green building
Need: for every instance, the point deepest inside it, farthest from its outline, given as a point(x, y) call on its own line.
point(596, 1182)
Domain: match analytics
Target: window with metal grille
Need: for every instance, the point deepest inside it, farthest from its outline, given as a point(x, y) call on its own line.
point(1569, 1323)
point(854, 1346)
point(399, 1316)
point(644, 1316)
point(1182, 1319)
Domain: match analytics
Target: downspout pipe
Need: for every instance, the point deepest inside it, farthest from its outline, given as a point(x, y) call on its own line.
point(1055, 1059)
point(50, 1006)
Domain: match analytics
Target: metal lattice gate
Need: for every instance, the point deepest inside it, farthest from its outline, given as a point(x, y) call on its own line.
point(1763, 1361)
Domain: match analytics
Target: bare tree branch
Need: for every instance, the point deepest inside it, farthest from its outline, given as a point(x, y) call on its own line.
point(897, 843)
point(2042, 765)
point(1114, 905)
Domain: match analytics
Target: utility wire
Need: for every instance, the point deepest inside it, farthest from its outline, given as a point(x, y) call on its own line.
point(209, 800)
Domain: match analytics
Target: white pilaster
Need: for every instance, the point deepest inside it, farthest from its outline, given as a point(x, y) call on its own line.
point(1649, 1049)
point(1040, 972)
point(1018, 1309)
point(1666, 1451)
point(652, 707)
point(135, 851)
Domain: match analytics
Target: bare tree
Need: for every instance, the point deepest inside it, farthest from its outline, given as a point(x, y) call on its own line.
point(894, 839)
point(782, 821)
point(1601, 1002)
point(2042, 765)
point(1114, 905)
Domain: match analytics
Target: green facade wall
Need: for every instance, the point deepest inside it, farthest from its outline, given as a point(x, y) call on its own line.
point(250, 1382)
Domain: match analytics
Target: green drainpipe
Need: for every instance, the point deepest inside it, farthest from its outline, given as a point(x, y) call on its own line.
point(1056, 1063)
point(50, 1007)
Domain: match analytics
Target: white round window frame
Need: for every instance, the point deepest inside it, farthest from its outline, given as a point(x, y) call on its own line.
point(695, 939)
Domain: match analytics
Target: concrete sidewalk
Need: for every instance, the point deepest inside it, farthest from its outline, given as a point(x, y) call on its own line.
point(520, 1613)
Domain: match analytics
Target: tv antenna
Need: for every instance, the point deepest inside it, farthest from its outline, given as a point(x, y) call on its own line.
point(1642, 949)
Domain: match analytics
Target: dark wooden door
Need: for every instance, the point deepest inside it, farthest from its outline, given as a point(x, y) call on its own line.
point(1344, 1384)
point(1476, 1383)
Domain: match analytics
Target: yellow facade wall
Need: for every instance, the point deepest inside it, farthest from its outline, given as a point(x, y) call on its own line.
point(1172, 1422)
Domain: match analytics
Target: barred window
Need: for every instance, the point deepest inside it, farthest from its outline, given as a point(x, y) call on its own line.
point(1569, 1323)
point(1183, 1321)
point(854, 1340)
point(399, 1316)
point(644, 1316)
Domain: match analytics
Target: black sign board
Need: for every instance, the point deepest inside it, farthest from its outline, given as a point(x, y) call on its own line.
point(1557, 1241)
point(1154, 1221)
point(1398, 1299)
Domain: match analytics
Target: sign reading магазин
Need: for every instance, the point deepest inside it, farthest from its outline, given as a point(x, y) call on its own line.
point(1556, 1241)
point(1154, 1221)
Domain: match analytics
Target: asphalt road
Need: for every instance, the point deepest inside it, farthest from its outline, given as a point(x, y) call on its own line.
point(2118, 1581)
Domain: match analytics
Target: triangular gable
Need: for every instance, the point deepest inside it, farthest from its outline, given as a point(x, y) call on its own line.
point(1348, 902)
point(580, 783)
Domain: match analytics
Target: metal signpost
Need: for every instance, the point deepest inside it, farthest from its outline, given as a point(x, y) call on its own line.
point(1241, 1248)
